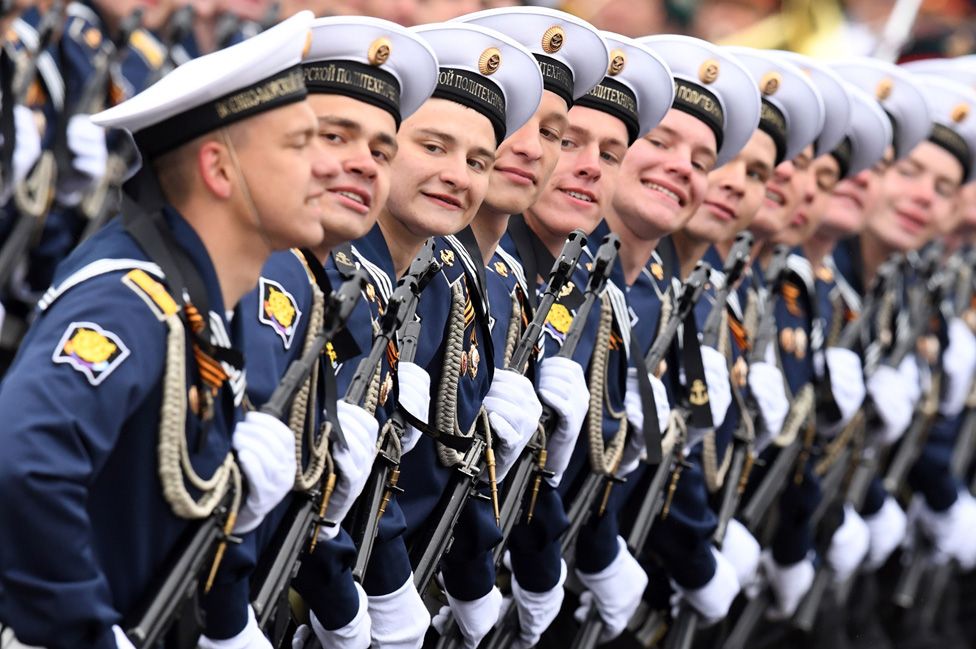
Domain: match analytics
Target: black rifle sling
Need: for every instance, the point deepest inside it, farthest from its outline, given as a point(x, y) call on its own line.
point(533, 255)
point(330, 390)
point(652, 426)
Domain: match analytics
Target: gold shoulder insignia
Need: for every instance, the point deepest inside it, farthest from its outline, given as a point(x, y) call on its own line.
point(91, 350)
point(824, 274)
point(278, 309)
point(152, 292)
point(447, 256)
point(657, 270)
point(147, 46)
point(93, 37)
point(501, 268)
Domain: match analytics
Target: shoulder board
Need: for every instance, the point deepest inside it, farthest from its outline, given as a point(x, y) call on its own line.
point(92, 270)
point(146, 45)
point(152, 292)
point(81, 26)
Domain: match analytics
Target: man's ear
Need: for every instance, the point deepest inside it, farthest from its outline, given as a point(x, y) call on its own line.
point(213, 163)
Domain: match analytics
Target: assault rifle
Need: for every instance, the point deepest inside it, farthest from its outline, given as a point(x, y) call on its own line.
point(382, 482)
point(653, 500)
point(174, 599)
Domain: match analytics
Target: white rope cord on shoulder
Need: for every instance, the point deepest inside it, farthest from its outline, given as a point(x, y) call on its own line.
point(175, 467)
point(604, 459)
point(445, 415)
point(301, 421)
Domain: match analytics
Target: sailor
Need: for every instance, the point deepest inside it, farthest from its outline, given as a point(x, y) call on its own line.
point(363, 76)
point(488, 87)
point(132, 361)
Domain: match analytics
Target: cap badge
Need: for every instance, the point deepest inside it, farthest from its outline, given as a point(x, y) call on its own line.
point(379, 51)
point(617, 62)
point(883, 91)
point(553, 39)
point(490, 61)
point(708, 71)
point(959, 113)
point(770, 83)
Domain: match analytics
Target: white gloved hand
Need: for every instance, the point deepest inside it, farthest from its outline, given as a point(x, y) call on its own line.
point(887, 528)
point(536, 611)
point(121, 640)
point(353, 457)
point(514, 411)
point(266, 454)
point(789, 585)
point(846, 385)
point(399, 620)
point(87, 144)
point(562, 386)
point(743, 551)
point(951, 531)
point(636, 450)
point(769, 391)
point(250, 637)
point(717, 381)
point(616, 590)
point(413, 386)
point(354, 635)
point(475, 618)
point(892, 391)
point(713, 600)
point(959, 364)
point(849, 545)
point(27, 149)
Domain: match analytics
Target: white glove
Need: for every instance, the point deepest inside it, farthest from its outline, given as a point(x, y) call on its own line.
point(121, 640)
point(413, 384)
point(399, 619)
point(717, 381)
point(714, 599)
point(475, 618)
point(849, 545)
point(616, 590)
point(789, 585)
point(250, 637)
point(846, 385)
point(266, 454)
point(887, 528)
point(27, 149)
point(892, 392)
point(636, 450)
point(354, 635)
point(952, 530)
point(562, 386)
point(87, 143)
point(742, 550)
point(769, 391)
point(514, 411)
point(353, 458)
point(958, 363)
point(536, 611)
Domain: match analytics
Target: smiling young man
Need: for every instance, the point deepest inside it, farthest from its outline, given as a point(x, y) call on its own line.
point(363, 76)
point(222, 188)
point(488, 87)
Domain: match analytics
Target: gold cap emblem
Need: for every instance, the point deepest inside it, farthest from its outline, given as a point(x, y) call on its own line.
point(617, 62)
point(770, 83)
point(708, 71)
point(490, 61)
point(960, 112)
point(553, 39)
point(379, 51)
point(883, 91)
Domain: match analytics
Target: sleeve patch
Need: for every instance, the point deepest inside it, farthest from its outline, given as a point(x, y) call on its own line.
point(93, 351)
point(278, 309)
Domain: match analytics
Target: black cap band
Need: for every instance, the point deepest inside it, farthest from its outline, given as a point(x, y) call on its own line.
point(773, 123)
point(698, 102)
point(474, 91)
point(843, 154)
point(366, 83)
point(614, 98)
point(284, 88)
point(952, 142)
point(556, 77)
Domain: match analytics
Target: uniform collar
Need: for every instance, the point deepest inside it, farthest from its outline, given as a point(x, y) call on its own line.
point(187, 238)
